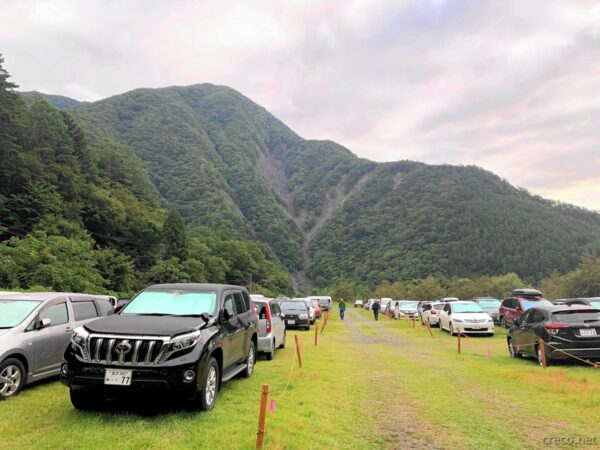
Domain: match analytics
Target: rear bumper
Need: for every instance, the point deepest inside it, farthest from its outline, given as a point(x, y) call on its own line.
point(264, 343)
point(564, 351)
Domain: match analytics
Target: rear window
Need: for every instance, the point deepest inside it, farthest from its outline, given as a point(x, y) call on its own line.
point(527, 304)
point(84, 310)
point(262, 309)
point(590, 316)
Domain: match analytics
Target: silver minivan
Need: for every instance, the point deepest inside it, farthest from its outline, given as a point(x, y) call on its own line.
point(35, 330)
point(271, 326)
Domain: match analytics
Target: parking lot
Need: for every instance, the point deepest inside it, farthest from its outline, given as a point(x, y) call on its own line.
point(366, 385)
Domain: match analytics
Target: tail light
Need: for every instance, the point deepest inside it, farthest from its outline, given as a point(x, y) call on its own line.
point(554, 328)
point(433, 313)
point(268, 317)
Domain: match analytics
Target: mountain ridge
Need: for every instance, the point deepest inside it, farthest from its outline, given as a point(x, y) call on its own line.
point(328, 214)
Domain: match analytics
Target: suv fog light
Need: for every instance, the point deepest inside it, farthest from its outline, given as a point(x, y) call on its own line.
point(64, 369)
point(189, 375)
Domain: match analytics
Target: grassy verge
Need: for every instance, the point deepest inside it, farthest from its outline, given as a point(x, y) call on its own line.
point(367, 385)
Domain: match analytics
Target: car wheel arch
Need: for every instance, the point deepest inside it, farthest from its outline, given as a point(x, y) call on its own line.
point(23, 360)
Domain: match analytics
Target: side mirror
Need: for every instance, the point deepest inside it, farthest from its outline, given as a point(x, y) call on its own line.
point(44, 323)
point(227, 313)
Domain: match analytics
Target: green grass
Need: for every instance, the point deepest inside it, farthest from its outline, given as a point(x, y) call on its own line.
point(366, 385)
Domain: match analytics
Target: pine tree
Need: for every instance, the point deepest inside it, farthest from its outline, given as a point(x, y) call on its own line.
point(174, 237)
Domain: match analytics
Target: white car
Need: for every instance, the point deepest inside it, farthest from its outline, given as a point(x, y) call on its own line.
point(466, 317)
point(431, 313)
point(358, 303)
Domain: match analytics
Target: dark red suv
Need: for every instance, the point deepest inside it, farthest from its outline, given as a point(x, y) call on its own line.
point(515, 305)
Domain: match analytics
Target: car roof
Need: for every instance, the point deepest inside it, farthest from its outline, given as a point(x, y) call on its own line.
point(193, 287)
point(44, 296)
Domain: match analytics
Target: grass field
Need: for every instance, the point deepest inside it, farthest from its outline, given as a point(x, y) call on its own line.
point(366, 385)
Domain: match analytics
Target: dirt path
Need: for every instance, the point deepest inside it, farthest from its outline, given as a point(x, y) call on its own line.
point(399, 426)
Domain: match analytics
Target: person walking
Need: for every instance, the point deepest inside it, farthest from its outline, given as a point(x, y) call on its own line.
point(376, 307)
point(342, 306)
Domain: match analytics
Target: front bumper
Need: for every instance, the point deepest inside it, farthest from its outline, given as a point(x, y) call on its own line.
point(298, 323)
point(166, 380)
point(474, 328)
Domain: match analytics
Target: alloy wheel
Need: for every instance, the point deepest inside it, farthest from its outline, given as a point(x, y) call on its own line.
point(10, 380)
point(211, 385)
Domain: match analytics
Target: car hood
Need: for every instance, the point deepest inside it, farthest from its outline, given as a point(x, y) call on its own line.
point(4, 332)
point(144, 325)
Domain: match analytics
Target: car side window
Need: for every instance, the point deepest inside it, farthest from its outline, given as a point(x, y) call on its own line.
point(527, 317)
point(538, 316)
point(246, 300)
point(228, 305)
point(58, 314)
point(240, 305)
point(275, 309)
point(84, 310)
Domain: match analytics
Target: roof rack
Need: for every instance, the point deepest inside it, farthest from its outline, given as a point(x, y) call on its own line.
point(527, 291)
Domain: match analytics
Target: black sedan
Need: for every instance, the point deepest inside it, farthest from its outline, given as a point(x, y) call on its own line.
point(567, 331)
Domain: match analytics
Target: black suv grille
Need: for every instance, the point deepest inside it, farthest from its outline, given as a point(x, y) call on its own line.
point(116, 350)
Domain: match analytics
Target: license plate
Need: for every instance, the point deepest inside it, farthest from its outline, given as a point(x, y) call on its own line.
point(587, 332)
point(291, 322)
point(117, 377)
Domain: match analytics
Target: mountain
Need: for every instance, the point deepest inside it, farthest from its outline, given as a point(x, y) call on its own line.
point(58, 101)
point(83, 216)
point(226, 163)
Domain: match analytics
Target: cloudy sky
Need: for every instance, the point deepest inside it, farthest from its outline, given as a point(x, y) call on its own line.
point(512, 86)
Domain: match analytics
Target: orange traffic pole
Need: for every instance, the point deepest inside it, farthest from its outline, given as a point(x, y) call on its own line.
point(459, 342)
point(260, 435)
point(298, 351)
point(325, 321)
point(427, 324)
point(316, 333)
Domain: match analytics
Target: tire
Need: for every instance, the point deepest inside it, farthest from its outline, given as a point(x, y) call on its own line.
point(512, 351)
point(250, 361)
point(502, 322)
point(283, 343)
point(538, 355)
point(441, 327)
point(13, 371)
point(84, 400)
point(206, 397)
point(270, 355)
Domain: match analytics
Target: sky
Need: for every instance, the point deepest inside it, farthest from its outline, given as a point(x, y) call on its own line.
point(512, 86)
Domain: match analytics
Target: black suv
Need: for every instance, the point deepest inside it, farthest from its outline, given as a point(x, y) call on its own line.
point(182, 340)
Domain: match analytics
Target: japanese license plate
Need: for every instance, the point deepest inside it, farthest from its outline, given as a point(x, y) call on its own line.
point(117, 377)
point(587, 332)
point(291, 322)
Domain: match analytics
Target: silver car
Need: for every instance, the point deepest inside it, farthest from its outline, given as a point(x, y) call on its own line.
point(35, 330)
point(271, 326)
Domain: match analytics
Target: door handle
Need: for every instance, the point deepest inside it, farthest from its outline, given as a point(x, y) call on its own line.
point(68, 329)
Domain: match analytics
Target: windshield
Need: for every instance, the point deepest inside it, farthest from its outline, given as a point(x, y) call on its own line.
point(595, 303)
point(576, 316)
point(173, 303)
point(408, 305)
point(491, 303)
point(466, 308)
point(13, 312)
point(530, 304)
point(293, 306)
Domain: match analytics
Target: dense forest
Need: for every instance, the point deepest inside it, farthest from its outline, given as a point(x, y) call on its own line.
point(83, 216)
point(254, 202)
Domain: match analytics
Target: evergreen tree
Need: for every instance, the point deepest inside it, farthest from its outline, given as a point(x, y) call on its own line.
point(174, 237)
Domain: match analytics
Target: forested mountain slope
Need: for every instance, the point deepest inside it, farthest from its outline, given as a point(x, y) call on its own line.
point(84, 216)
point(223, 160)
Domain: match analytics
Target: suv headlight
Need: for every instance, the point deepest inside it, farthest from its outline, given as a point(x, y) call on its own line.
point(79, 340)
point(303, 316)
point(184, 341)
